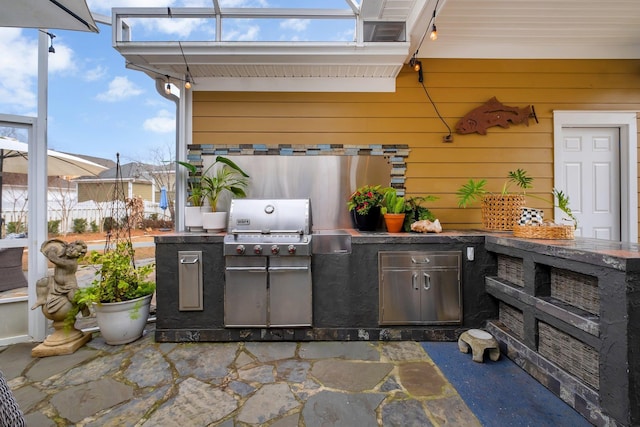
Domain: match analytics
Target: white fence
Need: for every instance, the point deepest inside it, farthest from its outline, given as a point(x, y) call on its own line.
point(91, 211)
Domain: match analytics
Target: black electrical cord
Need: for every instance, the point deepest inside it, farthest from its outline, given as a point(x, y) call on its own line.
point(435, 108)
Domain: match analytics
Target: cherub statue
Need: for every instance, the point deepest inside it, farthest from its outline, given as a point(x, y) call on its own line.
point(55, 292)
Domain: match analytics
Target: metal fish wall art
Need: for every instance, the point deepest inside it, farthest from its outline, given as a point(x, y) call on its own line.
point(494, 113)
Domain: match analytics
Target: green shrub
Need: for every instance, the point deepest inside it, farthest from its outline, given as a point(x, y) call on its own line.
point(16, 227)
point(53, 227)
point(79, 225)
point(109, 223)
point(94, 227)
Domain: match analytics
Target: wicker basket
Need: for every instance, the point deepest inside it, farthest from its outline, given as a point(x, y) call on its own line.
point(501, 211)
point(564, 232)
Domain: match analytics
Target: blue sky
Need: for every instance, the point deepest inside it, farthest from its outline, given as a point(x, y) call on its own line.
point(97, 106)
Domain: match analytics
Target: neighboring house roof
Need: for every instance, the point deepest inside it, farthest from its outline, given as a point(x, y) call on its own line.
point(130, 171)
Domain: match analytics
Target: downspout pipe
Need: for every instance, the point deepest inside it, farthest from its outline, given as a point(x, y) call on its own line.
point(181, 155)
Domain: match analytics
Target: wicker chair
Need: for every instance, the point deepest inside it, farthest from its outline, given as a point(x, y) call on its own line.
point(11, 269)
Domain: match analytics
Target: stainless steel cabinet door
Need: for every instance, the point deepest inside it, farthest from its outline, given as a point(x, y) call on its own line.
point(245, 294)
point(290, 291)
point(440, 296)
point(400, 297)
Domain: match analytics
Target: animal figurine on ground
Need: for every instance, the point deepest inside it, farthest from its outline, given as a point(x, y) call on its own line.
point(494, 113)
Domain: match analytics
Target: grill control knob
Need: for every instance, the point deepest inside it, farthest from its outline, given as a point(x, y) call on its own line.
point(275, 249)
point(291, 249)
point(257, 249)
point(240, 249)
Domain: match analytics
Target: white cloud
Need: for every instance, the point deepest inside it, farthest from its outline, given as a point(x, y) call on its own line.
point(244, 34)
point(18, 71)
point(163, 122)
point(120, 88)
point(295, 24)
point(95, 73)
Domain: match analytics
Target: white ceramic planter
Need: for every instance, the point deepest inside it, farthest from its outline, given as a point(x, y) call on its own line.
point(214, 221)
point(122, 322)
point(193, 218)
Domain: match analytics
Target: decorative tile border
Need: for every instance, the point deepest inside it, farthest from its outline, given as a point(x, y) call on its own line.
point(396, 154)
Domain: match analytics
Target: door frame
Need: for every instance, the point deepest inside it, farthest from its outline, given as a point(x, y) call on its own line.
point(626, 122)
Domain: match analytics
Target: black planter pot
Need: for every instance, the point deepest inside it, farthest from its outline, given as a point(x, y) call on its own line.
point(368, 222)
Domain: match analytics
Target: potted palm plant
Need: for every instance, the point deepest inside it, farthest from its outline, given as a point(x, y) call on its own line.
point(227, 177)
point(393, 210)
point(195, 200)
point(120, 294)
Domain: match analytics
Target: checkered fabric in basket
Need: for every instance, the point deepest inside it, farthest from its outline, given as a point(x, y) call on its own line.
point(530, 216)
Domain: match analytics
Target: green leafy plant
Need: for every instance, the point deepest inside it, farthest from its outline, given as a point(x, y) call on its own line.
point(53, 227)
point(392, 203)
point(196, 193)
point(563, 205)
point(473, 191)
point(416, 212)
point(79, 225)
point(117, 279)
point(229, 177)
point(365, 198)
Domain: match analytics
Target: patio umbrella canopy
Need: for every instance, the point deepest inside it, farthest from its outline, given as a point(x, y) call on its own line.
point(59, 14)
point(14, 159)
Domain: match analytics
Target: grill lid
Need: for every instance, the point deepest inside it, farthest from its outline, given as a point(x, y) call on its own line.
point(269, 216)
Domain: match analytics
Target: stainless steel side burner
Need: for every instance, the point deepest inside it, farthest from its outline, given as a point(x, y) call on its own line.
point(268, 263)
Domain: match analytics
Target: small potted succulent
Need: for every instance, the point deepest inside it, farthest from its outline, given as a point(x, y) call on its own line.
point(365, 204)
point(393, 210)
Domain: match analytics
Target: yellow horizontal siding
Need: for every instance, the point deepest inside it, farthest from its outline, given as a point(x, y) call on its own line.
point(407, 117)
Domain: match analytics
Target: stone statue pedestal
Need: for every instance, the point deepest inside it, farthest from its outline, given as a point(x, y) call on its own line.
point(61, 342)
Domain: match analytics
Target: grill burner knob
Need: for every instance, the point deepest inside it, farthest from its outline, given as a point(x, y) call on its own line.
point(257, 249)
point(291, 249)
point(275, 249)
point(240, 249)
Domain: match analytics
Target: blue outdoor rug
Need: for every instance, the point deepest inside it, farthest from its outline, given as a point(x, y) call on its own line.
point(501, 393)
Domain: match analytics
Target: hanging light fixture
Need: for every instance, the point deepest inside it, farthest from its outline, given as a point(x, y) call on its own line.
point(51, 37)
point(434, 33)
point(187, 83)
point(167, 89)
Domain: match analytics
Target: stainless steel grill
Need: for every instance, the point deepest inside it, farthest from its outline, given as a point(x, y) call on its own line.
point(268, 263)
point(269, 227)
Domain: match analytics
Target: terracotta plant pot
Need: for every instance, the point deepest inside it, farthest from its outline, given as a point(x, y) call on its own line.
point(394, 222)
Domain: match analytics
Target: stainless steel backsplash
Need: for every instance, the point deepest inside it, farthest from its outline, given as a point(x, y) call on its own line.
point(327, 180)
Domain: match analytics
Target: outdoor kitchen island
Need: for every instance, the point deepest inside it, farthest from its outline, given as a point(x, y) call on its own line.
point(566, 311)
point(345, 288)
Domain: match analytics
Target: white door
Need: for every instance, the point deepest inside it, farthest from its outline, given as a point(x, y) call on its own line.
point(590, 168)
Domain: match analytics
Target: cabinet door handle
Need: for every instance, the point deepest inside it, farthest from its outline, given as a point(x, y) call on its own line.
point(414, 281)
point(427, 282)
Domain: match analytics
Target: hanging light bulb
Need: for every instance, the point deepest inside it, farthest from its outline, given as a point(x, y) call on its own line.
point(434, 33)
point(187, 83)
point(167, 89)
point(417, 65)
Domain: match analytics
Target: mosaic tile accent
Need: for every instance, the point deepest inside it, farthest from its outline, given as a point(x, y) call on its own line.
point(396, 154)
